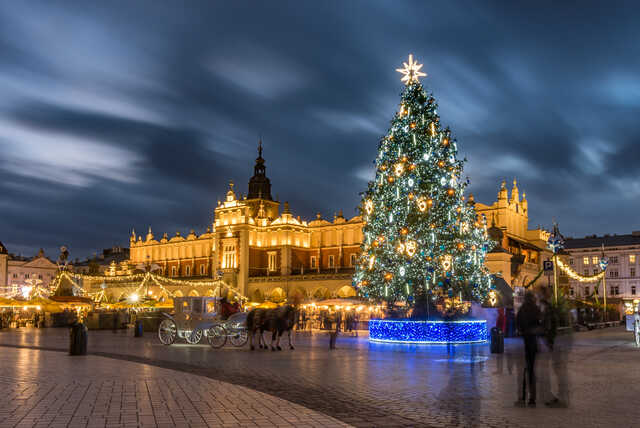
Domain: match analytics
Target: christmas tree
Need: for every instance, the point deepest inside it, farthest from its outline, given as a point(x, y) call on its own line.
point(421, 236)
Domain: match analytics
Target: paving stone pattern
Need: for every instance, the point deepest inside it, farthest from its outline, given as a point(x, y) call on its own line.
point(365, 384)
point(51, 389)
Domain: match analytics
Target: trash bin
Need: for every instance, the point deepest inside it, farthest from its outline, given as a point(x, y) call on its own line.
point(497, 341)
point(138, 328)
point(78, 339)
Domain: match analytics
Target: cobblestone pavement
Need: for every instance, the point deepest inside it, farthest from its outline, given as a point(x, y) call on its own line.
point(45, 388)
point(367, 384)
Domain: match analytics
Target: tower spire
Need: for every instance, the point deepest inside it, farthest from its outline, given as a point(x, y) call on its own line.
point(259, 184)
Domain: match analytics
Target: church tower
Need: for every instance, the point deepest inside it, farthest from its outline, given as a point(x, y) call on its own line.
point(4, 265)
point(259, 195)
point(259, 184)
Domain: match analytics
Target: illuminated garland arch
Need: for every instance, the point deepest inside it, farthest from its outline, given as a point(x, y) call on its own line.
point(144, 278)
point(575, 275)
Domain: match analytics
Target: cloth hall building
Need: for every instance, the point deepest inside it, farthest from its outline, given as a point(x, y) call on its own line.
point(265, 252)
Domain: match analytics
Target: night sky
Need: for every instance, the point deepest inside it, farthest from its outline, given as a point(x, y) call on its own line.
point(126, 114)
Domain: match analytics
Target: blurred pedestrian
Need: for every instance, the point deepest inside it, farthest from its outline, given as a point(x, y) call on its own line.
point(636, 327)
point(528, 322)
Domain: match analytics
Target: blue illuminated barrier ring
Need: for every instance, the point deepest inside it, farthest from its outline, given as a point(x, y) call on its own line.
point(415, 331)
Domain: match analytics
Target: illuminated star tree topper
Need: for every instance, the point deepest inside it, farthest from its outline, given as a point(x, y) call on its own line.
point(411, 71)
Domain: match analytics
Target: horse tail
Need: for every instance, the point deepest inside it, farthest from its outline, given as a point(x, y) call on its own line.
point(251, 319)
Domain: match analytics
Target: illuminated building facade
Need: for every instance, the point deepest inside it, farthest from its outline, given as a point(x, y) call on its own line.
point(518, 258)
point(17, 272)
point(259, 250)
point(622, 276)
point(268, 253)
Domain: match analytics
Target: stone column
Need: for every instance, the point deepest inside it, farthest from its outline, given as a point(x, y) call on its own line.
point(243, 261)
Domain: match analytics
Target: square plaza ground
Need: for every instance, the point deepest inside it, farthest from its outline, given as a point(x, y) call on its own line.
point(360, 383)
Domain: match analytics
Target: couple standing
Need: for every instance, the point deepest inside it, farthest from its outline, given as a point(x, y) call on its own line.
point(539, 322)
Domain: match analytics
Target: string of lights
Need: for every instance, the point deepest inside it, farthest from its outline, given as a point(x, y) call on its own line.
point(575, 275)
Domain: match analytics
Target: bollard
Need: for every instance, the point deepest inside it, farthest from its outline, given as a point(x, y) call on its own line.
point(78, 339)
point(138, 329)
point(497, 341)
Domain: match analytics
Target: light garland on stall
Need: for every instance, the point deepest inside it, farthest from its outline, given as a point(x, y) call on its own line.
point(144, 277)
point(575, 275)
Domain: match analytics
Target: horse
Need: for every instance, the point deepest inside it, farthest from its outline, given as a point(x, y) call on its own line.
point(256, 319)
point(277, 321)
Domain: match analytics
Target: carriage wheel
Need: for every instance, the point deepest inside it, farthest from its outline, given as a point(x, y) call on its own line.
point(239, 338)
point(167, 332)
point(194, 337)
point(217, 336)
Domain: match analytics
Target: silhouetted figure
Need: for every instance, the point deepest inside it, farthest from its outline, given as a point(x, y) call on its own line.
point(528, 322)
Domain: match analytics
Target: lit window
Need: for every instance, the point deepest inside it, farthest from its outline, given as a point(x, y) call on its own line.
point(272, 261)
point(585, 260)
point(314, 262)
point(188, 270)
point(229, 257)
point(632, 258)
point(594, 260)
point(331, 262)
point(353, 259)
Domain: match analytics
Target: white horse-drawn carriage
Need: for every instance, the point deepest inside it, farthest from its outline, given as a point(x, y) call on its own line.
point(195, 317)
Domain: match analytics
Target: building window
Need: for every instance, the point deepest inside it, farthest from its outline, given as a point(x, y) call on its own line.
point(229, 256)
point(201, 269)
point(586, 290)
point(594, 260)
point(571, 291)
point(331, 261)
point(26, 275)
point(585, 260)
point(632, 258)
point(633, 290)
point(586, 272)
point(314, 262)
point(617, 290)
point(614, 260)
point(187, 270)
point(40, 276)
point(571, 261)
point(15, 275)
point(632, 272)
point(173, 271)
point(595, 291)
point(353, 259)
point(613, 273)
point(612, 291)
point(272, 261)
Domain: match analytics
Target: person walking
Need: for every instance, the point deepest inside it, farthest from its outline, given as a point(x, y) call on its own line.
point(528, 323)
point(636, 327)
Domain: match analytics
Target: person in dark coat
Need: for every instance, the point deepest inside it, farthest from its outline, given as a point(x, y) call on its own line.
point(528, 321)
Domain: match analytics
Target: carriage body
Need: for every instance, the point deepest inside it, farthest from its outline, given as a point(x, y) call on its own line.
point(191, 313)
point(195, 317)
